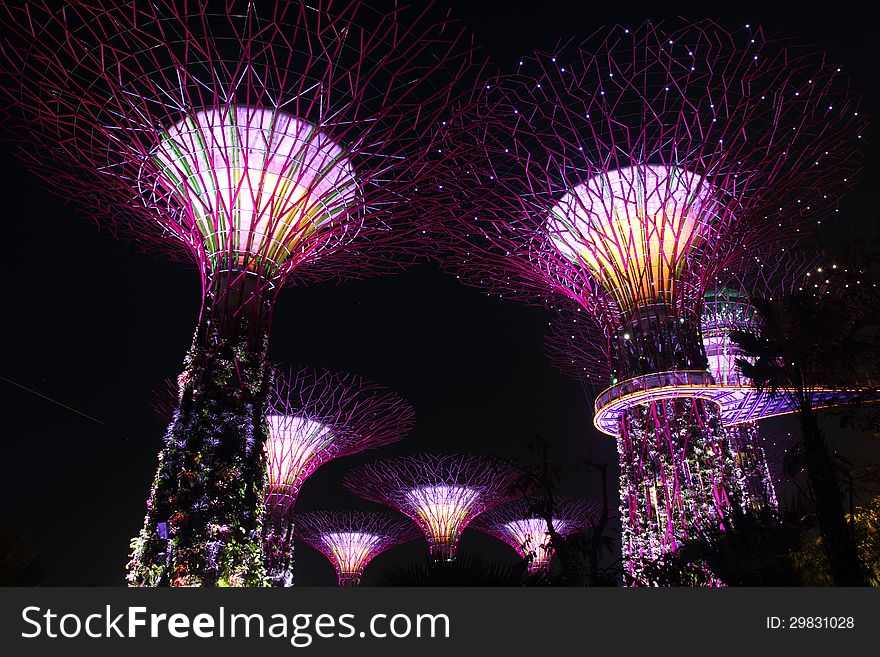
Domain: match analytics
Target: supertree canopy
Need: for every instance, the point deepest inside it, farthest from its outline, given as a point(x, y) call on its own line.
point(314, 417)
point(626, 173)
point(266, 142)
point(520, 524)
point(442, 493)
point(351, 540)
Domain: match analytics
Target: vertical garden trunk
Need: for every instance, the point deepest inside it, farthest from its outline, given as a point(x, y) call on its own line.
point(754, 483)
point(204, 516)
point(675, 472)
point(279, 540)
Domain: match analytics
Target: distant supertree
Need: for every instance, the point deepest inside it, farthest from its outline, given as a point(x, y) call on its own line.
point(315, 417)
point(442, 493)
point(726, 310)
point(518, 524)
point(351, 540)
point(627, 173)
point(268, 143)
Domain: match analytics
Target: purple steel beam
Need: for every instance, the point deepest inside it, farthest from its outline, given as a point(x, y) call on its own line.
point(352, 539)
point(441, 493)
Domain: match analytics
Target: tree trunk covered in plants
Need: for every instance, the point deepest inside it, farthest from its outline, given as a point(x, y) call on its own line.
point(675, 475)
point(205, 512)
point(837, 539)
point(279, 540)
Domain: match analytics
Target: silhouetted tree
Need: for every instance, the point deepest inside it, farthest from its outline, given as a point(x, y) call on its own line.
point(812, 562)
point(821, 337)
point(579, 556)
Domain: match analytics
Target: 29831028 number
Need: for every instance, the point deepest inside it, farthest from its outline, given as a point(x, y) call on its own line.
point(820, 622)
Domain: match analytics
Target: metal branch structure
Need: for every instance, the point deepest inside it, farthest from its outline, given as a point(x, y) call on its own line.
point(518, 524)
point(315, 417)
point(268, 143)
point(352, 539)
point(577, 346)
point(441, 493)
point(627, 173)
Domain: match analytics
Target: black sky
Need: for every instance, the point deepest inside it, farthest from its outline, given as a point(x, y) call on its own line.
point(95, 324)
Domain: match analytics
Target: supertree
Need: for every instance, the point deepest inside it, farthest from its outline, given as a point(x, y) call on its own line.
point(314, 417)
point(626, 173)
point(267, 143)
point(577, 346)
point(442, 493)
point(519, 524)
point(351, 540)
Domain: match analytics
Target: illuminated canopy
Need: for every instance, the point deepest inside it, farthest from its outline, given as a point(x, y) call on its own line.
point(633, 229)
point(441, 492)
point(350, 551)
point(255, 182)
point(296, 447)
point(443, 510)
point(316, 416)
point(530, 538)
point(520, 524)
point(351, 539)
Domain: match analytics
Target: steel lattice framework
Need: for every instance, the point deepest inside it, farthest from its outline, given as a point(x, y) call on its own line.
point(441, 493)
point(578, 347)
point(316, 416)
point(284, 139)
point(269, 143)
point(352, 539)
point(627, 173)
point(519, 524)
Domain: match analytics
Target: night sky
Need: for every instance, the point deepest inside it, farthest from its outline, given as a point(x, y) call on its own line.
point(96, 325)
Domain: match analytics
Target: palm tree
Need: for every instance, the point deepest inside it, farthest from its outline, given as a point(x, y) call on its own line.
point(811, 340)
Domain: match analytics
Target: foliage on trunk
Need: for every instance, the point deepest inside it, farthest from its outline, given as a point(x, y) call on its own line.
point(204, 518)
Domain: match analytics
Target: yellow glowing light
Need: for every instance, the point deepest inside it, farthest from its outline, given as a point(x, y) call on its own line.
point(443, 509)
point(255, 183)
point(634, 228)
point(350, 551)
